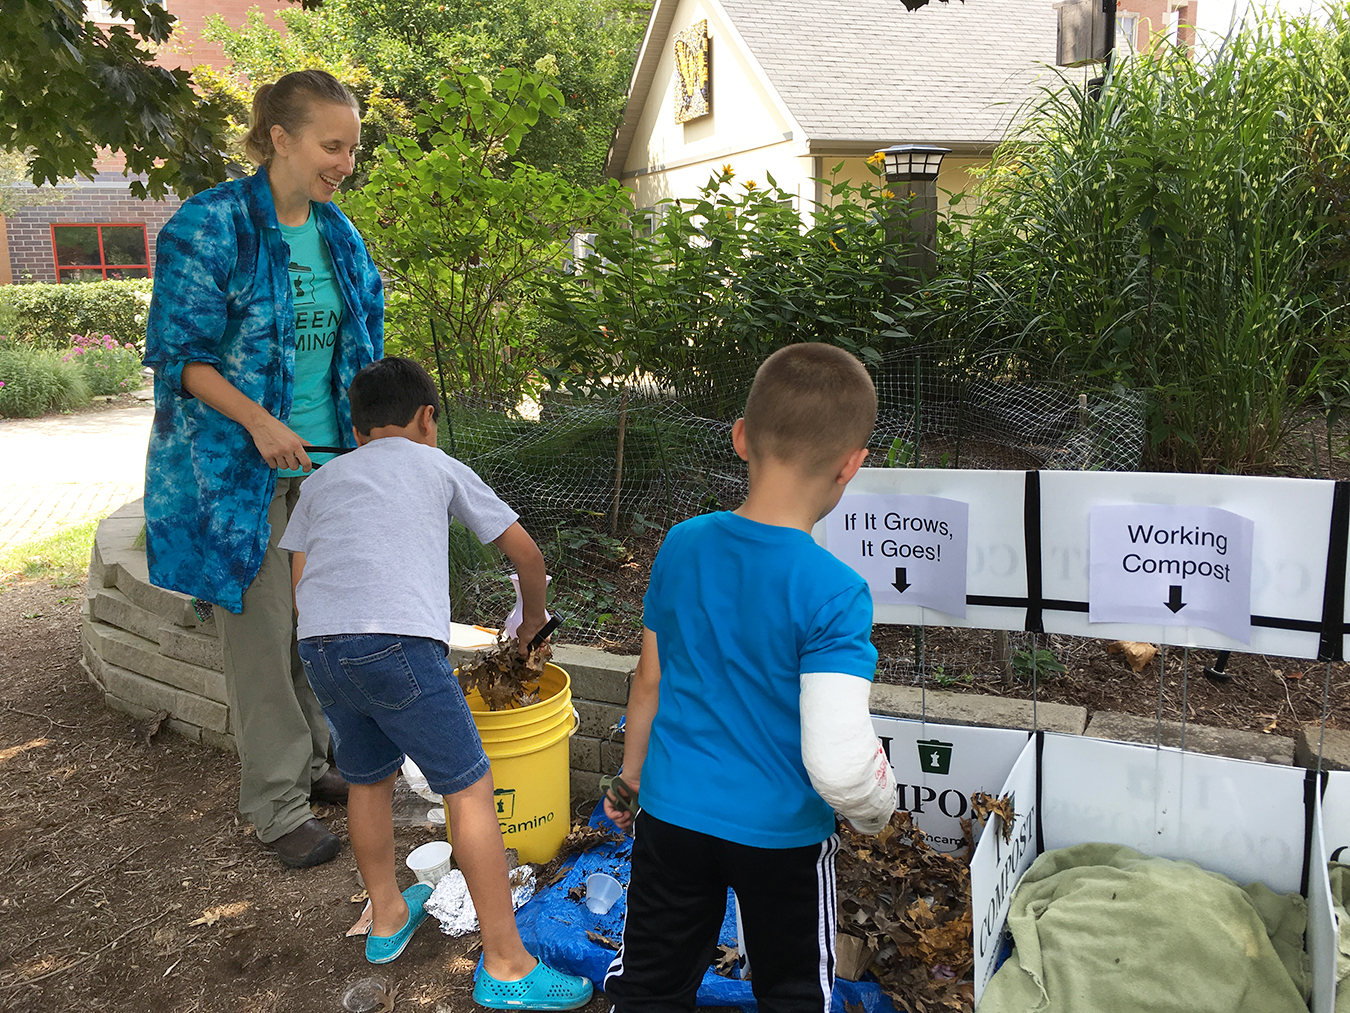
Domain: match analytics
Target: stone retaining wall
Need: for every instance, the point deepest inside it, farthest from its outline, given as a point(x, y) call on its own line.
point(146, 651)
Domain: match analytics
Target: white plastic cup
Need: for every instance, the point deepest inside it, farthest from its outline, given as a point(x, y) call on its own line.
point(430, 862)
point(602, 890)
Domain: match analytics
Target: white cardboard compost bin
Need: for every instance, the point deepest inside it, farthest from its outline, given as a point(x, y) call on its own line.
point(1253, 822)
point(1204, 561)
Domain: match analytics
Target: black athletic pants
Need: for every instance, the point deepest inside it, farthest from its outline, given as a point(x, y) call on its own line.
point(677, 898)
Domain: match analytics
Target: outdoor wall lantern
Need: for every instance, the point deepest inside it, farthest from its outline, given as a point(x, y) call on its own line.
point(907, 162)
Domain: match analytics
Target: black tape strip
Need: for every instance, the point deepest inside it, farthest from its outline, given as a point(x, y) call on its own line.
point(1040, 752)
point(1031, 538)
point(996, 600)
point(1333, 594)
point(1309, 794)
point(1061, 605)
point(1298, 625)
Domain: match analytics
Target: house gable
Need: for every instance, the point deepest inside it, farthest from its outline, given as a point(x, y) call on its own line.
point(845, 77)
point(746, 113)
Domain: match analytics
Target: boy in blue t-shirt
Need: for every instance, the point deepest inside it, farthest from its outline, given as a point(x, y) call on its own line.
point(747, 722)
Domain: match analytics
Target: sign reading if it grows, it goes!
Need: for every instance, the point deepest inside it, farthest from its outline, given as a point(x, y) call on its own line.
point(1171, 566)
point(911, 550)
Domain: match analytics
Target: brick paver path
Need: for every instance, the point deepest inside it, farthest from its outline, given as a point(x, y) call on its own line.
point(62, 469)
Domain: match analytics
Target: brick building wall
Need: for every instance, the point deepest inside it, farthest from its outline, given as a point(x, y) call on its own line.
point(102, 202)
point(1157, 18)
point(26, 252)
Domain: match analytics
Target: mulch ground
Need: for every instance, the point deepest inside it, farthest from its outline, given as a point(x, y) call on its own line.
point(1267, 694)
point(111, 850)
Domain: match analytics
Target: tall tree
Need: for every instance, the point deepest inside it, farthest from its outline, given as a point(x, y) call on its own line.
point(409, 46)
point(69, 87)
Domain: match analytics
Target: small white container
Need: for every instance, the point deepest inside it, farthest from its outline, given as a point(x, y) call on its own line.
point(602, 890)
point(430, 862)
point(513, 620)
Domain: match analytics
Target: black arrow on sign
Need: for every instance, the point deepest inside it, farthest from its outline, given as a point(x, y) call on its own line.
point(900, 583)
point(1174, 601)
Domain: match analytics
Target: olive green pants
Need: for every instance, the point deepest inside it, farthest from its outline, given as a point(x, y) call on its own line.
point(277, 723)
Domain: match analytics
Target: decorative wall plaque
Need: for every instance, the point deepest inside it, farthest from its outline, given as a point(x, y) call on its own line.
point(693, 86)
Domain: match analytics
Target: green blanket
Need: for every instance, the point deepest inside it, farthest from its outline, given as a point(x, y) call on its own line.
point(1099, 928)
point(1340, 901)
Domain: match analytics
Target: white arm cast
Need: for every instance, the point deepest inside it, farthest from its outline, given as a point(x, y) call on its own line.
point(842, 755)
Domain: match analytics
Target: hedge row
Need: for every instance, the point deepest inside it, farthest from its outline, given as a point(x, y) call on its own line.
point(45, 316)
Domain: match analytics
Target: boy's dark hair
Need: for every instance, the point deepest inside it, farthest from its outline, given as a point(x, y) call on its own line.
point(388, 392)
point(809, 405)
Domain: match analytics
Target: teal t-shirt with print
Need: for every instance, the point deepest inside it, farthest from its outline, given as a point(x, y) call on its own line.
point(318, 314)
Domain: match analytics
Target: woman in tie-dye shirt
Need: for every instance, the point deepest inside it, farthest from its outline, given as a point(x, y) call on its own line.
point(265, 305)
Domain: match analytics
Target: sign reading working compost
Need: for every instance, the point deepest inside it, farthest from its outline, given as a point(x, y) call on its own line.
point(1171, 565)
point(911, 550)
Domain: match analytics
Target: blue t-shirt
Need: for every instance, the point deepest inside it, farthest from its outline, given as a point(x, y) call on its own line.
point(318, 314)
point(740, 610)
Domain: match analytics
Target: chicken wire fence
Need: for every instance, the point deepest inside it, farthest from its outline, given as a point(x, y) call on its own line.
point(598, 478)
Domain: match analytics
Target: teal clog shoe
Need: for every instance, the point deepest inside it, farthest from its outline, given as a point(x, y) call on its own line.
point(541, 989)
point(382, 949)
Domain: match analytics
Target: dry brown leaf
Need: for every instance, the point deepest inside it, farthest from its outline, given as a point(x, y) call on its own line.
point(1270, 727)
point(727, 960)
point(1137, 654)
point(214, 914)
point(502, 677)
point(983, 805)
point(149, 728)
point(1294, 675)
point(362, 926)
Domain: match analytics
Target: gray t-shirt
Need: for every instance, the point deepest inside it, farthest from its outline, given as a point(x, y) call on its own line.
point(374, 527)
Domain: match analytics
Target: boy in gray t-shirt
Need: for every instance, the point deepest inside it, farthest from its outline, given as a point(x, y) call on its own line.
point(369, 538)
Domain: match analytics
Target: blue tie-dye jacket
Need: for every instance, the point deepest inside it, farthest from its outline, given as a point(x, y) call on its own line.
point(222, 296)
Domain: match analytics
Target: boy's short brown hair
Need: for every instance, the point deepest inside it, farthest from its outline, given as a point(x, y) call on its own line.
point(809, 405)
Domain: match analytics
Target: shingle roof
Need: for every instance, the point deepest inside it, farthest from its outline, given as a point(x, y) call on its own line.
point(855, 69)
point(871, 71)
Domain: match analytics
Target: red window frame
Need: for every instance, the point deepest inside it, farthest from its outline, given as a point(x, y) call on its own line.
point(103, 267)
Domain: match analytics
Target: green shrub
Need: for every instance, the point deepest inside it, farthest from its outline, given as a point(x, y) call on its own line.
point(1176, 235)
point(108, 368)
point(45, 316)
point(34, 382)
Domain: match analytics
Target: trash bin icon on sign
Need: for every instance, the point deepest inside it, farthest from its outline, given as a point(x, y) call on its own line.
point(506, 802)
point(934, 757)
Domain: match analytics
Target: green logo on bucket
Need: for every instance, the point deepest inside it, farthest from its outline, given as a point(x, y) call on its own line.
point(934, 757)
point(506, 802)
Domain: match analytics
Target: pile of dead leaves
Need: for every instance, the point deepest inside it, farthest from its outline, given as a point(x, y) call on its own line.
point(502, 677)
point(911, 907)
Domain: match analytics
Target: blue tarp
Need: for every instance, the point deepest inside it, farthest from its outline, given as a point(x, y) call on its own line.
point(554, 929)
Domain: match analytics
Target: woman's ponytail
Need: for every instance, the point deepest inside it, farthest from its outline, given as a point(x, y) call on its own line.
point(258, 140)
point(287, 104)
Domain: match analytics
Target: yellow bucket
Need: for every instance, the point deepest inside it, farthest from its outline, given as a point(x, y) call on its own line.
point(530, 757)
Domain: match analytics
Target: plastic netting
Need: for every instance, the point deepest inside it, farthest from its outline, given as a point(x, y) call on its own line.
point(598, 478)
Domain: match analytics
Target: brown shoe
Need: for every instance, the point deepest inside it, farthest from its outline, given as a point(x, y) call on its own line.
point(330, 789)
point(308, 844)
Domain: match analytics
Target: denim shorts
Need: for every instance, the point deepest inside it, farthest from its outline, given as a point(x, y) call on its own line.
point(385, 696)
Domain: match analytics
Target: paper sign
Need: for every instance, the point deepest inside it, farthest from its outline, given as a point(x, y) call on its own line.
point(1171, 565)
point(911, 550)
